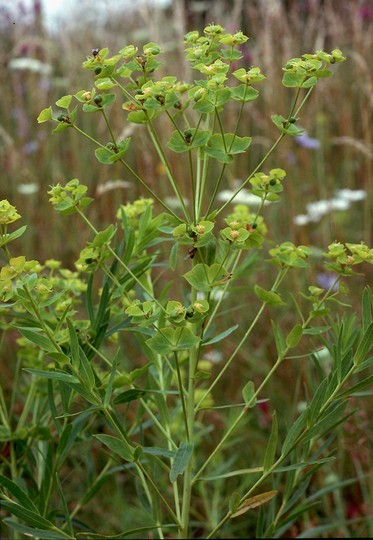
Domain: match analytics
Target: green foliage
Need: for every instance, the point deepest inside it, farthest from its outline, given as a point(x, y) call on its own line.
point(112, 356)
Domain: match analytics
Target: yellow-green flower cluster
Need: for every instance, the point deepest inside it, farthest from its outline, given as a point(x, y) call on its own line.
point(8, 213)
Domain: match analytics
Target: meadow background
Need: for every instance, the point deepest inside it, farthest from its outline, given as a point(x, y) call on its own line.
point(39, 64)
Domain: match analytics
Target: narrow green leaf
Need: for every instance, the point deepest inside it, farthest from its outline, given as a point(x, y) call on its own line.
point(328, 421)
point(318, 400)
point(367, 308)
point(74, 345)
point(279, 339)
point(28, 516)
point(118, 446)
point(56, 375)
point(182, 457)
point(18, 493)
point(220, 336)
point(364, 346)
point(34, 532)
point(86, 372)
point(109, 388)
point(129, 395)
point(356, 388)
point(270, 453)
point(294, 432)
point(35, 337)
point(155, 451)
point(172, 260)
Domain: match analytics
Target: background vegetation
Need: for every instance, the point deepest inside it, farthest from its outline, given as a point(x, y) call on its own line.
point(40, 64)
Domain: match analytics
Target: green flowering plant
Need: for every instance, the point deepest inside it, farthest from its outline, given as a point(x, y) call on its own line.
point(149, 419)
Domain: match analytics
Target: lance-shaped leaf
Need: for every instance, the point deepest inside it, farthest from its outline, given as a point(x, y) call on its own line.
point(182, 457)
point(254, 502)
point(118, 446)
point(270, 453)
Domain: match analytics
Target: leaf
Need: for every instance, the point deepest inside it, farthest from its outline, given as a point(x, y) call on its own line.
point(179, 144)
point(182, 458)
point(248, 393)
point(105, 83)
point(328, 421)
point(356, 388)
point(103, 155)
point(170, 339)
point(281, 122)
point(119, 446)
point(254, 502)
point(234, 501)
point(244, 93)
point(103, 237)
point(294, 432)
point(268, 297)
point(28, 516)
point(56, 375)
point(34, 532)
point(64, 102)
point(294, 336)
point(292, 79)
point(86, 372)
point(270, 453)
point(204, 277)
point(45, 115)
point(9, 237)
point(18, 493)
point(279, 339)
point(129, 395)
point(221, 147)
point(364, 346)
point(367, 307)
point(35, 337)
point(220, 336)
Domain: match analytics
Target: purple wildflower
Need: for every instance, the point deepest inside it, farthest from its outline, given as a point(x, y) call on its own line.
point(306, 141)
point(326, 280)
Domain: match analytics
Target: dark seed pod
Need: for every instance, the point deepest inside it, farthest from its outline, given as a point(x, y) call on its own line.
point(98, 70)
point(272, 182)
point(61, 117)
point(98, 100)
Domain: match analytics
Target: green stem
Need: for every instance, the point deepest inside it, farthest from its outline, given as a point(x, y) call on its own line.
point(187, 487)
point(163, 158)
point(275, 286)
point(182, 397)
point(41, 320)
